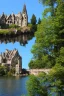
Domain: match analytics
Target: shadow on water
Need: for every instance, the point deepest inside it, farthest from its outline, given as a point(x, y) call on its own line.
point(21, 38)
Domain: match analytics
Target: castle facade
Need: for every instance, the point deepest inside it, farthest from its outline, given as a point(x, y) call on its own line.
point(11, 59)
point(20, 19)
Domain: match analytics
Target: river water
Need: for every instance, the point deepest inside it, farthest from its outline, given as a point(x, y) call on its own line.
point(13, 86)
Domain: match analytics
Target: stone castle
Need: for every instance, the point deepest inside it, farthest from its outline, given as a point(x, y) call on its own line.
point(20, 19)
point(11, 59)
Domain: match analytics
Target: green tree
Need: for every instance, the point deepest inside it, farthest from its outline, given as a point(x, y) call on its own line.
point(39, 21)
point(34, 87)
point(12, 70)
point(50, 37)
point(56, 79)
point(60, 58)
point(44, 44)
point(50, 4)
point(2, 70)
point(49, 49)
point(33, 20)
point(58, 26)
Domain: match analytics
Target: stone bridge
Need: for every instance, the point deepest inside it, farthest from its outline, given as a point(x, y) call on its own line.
point(37, 71)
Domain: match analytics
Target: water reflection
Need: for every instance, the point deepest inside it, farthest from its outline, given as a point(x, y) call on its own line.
point(22, 39)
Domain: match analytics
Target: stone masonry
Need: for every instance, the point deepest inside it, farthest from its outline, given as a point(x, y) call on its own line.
point(12, 59)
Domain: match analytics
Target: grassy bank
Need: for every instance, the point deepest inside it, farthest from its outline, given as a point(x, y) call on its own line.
point(15, 30)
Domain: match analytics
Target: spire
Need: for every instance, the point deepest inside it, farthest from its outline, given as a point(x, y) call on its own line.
point(24, 9)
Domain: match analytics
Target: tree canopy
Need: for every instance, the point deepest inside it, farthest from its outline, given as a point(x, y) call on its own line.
point(48, 50)
point(49, 38)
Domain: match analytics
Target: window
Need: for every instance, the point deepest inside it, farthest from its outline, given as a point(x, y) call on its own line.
point(14, 22)
point(10, 22)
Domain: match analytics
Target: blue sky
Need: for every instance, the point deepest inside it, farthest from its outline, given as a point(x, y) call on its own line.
point(33, 7)
point(15, 6)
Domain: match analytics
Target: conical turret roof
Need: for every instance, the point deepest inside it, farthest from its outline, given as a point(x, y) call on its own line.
point(24, 9)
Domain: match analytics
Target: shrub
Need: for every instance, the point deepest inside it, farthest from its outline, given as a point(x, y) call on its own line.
point(13, 26)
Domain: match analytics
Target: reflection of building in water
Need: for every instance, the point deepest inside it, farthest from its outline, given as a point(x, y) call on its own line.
point(21, 19)
point(11, 59)
point(22, 39)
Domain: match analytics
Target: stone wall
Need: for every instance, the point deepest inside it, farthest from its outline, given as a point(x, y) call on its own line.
point(37, 71)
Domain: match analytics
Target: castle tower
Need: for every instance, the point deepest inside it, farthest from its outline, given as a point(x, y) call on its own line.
point(19, 66)
point(24, 9)
point(13, 18)
point(20, 19)
point(24, 16)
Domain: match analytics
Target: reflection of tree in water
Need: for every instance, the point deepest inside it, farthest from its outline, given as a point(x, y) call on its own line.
point(22, 39)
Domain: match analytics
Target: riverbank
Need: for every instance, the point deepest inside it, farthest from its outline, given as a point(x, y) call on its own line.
point(15, 75)
point(15, 31)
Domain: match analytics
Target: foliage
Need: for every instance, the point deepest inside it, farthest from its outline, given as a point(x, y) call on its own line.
point(2, 70)
point(49, 38)
point(34, 28)
point(4, 26)
point(48, 50)
point(56, 79)
point(44, 62)
point(35, 87)
point(13, 26)
point(12, 70)
point(4, 31)
point(7, 31)
point(33, 20)
point(44, 44)
point(9, 73)
point(60, 59)
point(30, 25)
point(50, 4)
point(39, 21)
point(47, 84)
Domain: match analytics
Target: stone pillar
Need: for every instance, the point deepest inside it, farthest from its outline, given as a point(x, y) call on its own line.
point(18, 67)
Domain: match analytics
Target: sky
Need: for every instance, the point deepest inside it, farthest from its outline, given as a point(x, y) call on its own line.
point(16, 6)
